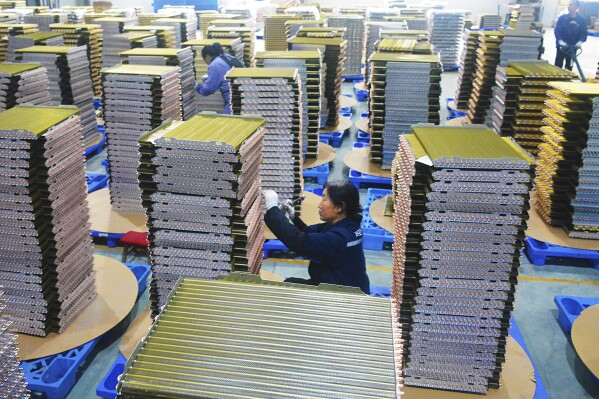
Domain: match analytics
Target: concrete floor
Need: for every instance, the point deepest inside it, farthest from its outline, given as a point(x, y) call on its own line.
point(560, 370)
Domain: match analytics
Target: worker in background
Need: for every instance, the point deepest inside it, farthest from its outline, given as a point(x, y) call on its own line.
point(333, 247)
point(219, 64)
point(570, 33)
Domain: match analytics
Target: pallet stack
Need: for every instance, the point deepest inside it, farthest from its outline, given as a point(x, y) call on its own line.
point(111, 48)
point(566, 175)
point(137, 99)
point(202, 194)
point(70, 82)
point(468, 58)
point(46, 250)
point(45, 20)
point(309, 66)
point(207, 18)
point(91, 37)
point(182, 58)
point(333, 51)
point(23, 84)
point(184, 29)
point(245, 34)
point(164, 34)
point(410, 46)
point(487, 59)
point(446, 29)
point(355, 36)
point(488, 21)
point(275, 95)
point(32, 39)
point(12, 379)
point(404, 90)
point(295, 25)
point(276, 31)
point(521, 45)
point(459, 222)
point(505, 100)
point(7, 30)
point(533, 78)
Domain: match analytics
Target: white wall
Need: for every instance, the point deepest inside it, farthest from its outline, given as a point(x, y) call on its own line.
point(145, 4)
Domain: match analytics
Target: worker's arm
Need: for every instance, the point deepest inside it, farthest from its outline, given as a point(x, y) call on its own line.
point(583, 31)
point(310, 243)
point(216, 75)
point(558, 31)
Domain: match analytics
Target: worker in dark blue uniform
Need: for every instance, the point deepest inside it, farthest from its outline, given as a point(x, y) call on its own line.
point(333, 247)
point(570, 32)
point(219, 64)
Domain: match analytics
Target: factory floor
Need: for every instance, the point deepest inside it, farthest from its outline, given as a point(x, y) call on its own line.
point(562, 373)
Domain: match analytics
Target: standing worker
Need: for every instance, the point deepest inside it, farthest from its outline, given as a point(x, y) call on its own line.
point(570, 33)
point(335, 246)
point(219, 64)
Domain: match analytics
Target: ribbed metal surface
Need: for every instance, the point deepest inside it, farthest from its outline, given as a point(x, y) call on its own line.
point(237, 339)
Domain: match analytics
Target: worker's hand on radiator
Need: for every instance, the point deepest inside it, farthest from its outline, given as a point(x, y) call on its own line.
point(271, 198)
point(562, 43)
point(579, 45)
point(288, 208)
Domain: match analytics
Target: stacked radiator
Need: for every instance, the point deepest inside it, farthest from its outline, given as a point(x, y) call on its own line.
point(246, 35)
point(7, 30)
point(404, 90)
point(44, 20)
point(521, 45)
point(69, 76)
point(206, 19)
point(446, 29)
point(46, 264)
point(275, 95)
point(165, 35)
point(137, 99)
point(23, 84)
point(111, 45)
point(276, 31)
point(308, 64)
point(266, 340)
point(468, 58)
point(184, 29)
point(461, 200)
point(182, 58)
point(333, 50)
point(355, 36)
point(89, 36)
point(32, 39)
point(489, 21)
point(528, 90)
point(202, 194)
point(12, 380)
point(567, 178)
point(487, 59)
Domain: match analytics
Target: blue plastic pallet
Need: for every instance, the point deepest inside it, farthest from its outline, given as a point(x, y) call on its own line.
point(95, 149)
point(570, 307)
point(375, 237)
point(447, 101)
point(112, 239)
point(363, 137)
point(314, 190)
point(107, 387)
point(334, 138)
point(346, 114)
point(141, 272)
point(353, 78)
point(448, 68)
point(514, 332)
point(384, 292)
point(96, 181)
point(273, 245)
point(357, 178)
point(97, 103)
point(320, 173)
point(593, 33)
point(361, 95)
point(56, 375)
point(538, 252)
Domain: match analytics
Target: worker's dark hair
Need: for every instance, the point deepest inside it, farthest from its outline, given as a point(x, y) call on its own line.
point(344, 193)
point(213, 50)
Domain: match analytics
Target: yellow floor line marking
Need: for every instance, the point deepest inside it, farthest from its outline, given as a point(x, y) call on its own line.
point(557, 280)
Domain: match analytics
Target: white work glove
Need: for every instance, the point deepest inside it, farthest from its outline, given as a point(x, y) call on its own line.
point(579, 45)
point(562, 43)
point(288, 208)
point(271, 198)
point(204, 78)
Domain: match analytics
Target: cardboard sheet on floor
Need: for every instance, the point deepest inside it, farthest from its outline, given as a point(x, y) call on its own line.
point(517, 380)
point(116, 288)
point(326, 154)
point(457, 121)
point(377, 213)
point(309, 213)
point(106, 220)
point(363, 125)
point(345, 102)
point(541, 231)
point(360, 160)
point(95, 141)
point(585, 331)
point(361, 86)
point(344, 124)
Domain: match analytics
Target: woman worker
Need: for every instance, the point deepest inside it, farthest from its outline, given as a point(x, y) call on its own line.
point(335, 246)
point(219, 64)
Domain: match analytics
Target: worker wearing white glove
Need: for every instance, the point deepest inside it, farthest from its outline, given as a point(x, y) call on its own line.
point(570, 32)
point(562, 43)
point(271, 199)
point(578, 44)
point(289, 209)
